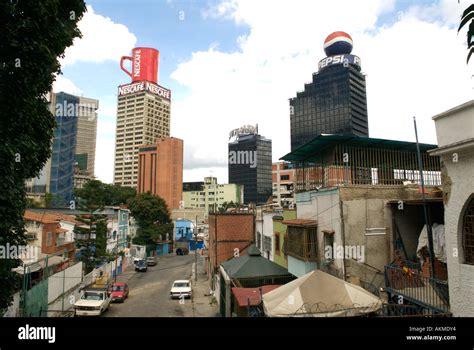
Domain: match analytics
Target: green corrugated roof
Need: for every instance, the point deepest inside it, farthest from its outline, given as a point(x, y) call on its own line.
point(252, 265)
point(322, 142)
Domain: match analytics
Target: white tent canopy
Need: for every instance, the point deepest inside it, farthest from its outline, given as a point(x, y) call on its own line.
point(318, 294)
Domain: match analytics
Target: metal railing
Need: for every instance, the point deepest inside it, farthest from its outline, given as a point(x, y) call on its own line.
point(413, 287)
point(301, 249)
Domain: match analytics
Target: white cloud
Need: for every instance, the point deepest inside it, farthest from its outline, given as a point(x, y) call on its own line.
point(62, 84)
point(102, 39)
point(415, 67)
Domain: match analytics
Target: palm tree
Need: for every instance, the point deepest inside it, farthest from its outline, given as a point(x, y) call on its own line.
point(468, 15)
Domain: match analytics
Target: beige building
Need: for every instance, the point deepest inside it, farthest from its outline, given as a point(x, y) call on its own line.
point(455, 133)
point(283, 175)
point(143, 117)
point(86, 134)
point(213, 195)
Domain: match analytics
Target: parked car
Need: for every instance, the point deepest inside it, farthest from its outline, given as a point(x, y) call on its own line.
point(119, 292)
point(182, 251)
point(181, 288)
point(151, 261)
point(141, 266)
point(93, 302)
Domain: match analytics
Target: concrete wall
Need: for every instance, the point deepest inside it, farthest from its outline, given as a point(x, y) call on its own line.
point(279, 228)
point(461, 276)
point(268, 232)
point(63, 281)
point(455, 133)
point(300, 268)
point(14, 309)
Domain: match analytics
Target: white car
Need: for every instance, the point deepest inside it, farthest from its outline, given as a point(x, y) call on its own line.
point(93, 302)
point(181, 288)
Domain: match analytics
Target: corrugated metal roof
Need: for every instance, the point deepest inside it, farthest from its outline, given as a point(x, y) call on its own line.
point(251, 296)
point(322, 142)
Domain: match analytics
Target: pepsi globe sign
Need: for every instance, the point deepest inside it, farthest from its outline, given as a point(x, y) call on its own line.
point(338, 43)
point(345, 60)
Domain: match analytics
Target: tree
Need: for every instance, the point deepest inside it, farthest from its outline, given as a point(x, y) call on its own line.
point(34, 35)
point(227, 205)
point(468, 15)
point(119, 195)
point(91, 199)
point(153, 217)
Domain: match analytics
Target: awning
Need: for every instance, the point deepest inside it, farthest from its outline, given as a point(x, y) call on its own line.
point(318, 294)
point(300, 222)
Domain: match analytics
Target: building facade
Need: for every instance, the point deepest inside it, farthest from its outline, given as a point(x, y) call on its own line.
point(86, 134)
point(212, 195)
point(143, 117)
point(283, 175)
point(160, 170)
point(455, 133)
point(335, 102)
point(250, 165)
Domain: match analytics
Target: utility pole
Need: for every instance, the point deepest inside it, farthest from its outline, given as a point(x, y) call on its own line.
point(195, 251)
point(425, 206)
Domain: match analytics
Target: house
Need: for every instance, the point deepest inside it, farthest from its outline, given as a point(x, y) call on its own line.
point(183, 230)
point(455, 133)
point(44, 231)
point(118, 228)
point(279, 234)
point(248, 270)
point(264, 229)
point(359, 207)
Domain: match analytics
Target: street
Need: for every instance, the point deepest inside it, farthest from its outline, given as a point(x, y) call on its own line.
point(149, 291)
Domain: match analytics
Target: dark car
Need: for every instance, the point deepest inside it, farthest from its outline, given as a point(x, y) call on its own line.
point(141, 265)
point(182, 251)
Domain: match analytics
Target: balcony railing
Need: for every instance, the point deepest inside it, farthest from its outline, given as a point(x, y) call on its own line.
point(300, 249)
point(408, 283)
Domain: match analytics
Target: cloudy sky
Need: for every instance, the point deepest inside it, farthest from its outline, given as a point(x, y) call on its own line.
point(235, 62)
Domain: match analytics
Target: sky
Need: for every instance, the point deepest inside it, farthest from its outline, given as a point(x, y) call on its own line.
point(230, 63)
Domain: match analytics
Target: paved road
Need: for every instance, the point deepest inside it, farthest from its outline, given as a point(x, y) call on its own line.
point(149, 291)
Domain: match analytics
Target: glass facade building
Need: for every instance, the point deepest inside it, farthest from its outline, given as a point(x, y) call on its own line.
point(63, 156)
point(334, 102)
point(250, 165)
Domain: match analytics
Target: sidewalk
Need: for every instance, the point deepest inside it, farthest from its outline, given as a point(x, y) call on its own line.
point(204, 305)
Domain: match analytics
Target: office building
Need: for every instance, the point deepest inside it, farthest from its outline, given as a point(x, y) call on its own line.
point(335, 101)
point(160, 170)
point(212, 195)
point(143, 117)
point(283, 175)
point(86, 135)
point(250, 164)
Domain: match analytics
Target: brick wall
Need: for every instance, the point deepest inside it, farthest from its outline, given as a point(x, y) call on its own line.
point(233, 231)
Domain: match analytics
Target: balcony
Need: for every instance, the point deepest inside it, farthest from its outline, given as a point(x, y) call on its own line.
point(301, 239)
point(408, 283)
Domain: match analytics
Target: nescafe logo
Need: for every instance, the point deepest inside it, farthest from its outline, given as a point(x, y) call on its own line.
point(137, 63)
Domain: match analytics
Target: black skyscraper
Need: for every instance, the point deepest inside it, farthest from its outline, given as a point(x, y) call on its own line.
point(334, 102)
point(250, 164)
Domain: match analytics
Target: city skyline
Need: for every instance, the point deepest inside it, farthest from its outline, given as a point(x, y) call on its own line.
point(217, 76)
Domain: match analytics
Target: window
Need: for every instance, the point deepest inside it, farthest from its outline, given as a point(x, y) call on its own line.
point(468, 233)
point(328, 245)
point(49, 239)
point(277, 243)
point(267, 244)
point(259, 238)
point(284, 177)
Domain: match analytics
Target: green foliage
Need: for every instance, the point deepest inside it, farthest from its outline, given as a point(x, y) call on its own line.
point(153, 217)
point(33, 35)
point(106, 194)
point(227, 205)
